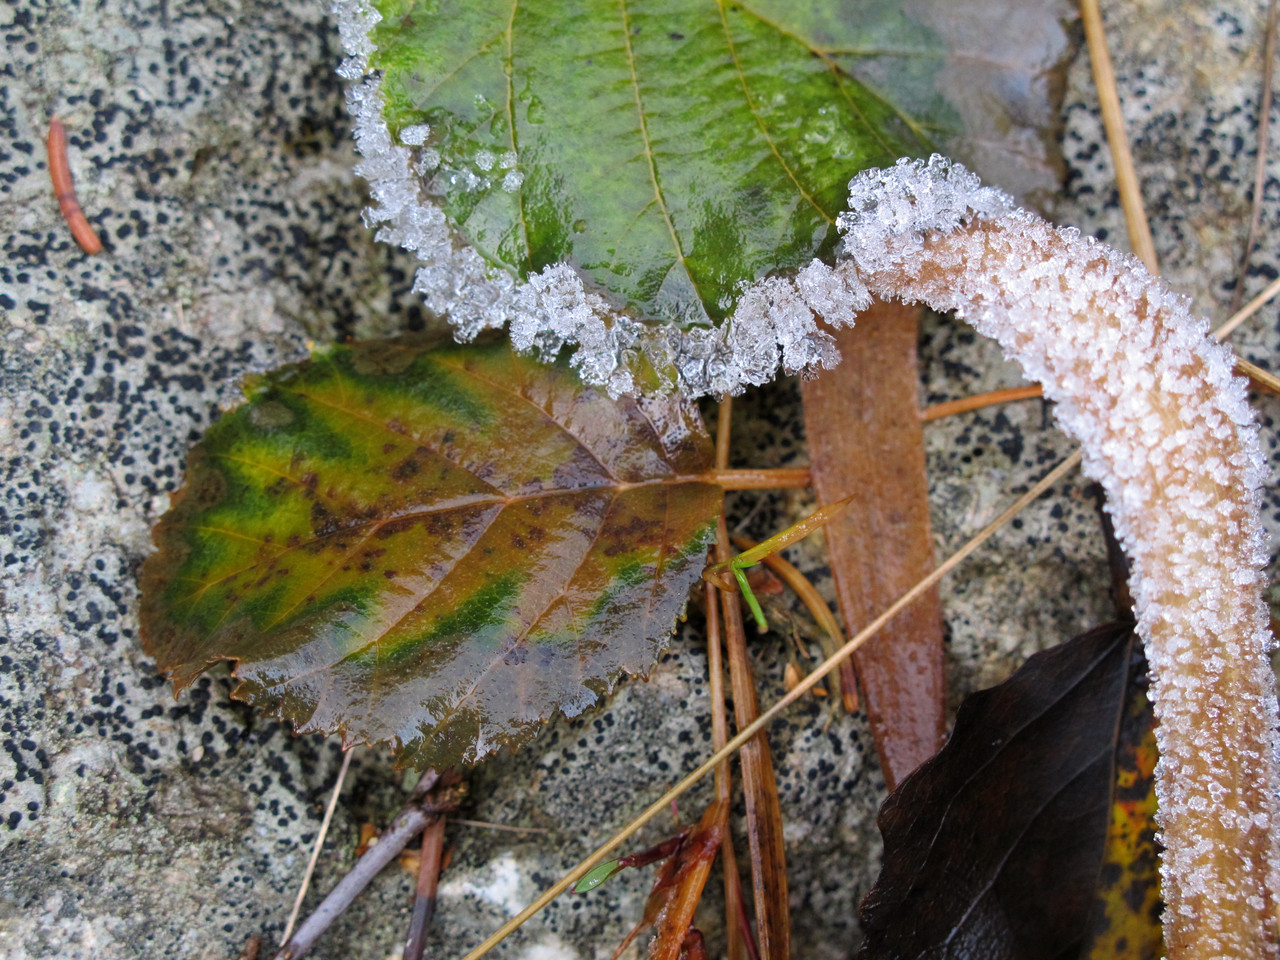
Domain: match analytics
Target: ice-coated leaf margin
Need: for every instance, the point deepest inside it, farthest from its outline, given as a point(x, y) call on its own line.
point(773, 324)
point(771, 327)
point(437, 548)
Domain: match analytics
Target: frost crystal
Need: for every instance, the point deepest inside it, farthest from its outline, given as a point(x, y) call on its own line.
point(416, 135)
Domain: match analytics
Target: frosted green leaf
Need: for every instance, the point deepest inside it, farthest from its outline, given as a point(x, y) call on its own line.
point(583, 172)
point(669, 151)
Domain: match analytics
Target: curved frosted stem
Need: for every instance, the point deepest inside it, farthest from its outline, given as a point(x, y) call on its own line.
point(1165, 427)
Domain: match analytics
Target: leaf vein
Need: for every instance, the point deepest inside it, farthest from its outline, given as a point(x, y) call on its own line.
point(764, 131)
point(648, 145)
point(457, 707)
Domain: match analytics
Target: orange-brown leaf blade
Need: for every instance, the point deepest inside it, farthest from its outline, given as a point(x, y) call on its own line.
point(1125, 920)
point(865, 438)
point(680, 885)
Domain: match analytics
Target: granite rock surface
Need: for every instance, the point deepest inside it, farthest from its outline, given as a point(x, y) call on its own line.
point(210, 149)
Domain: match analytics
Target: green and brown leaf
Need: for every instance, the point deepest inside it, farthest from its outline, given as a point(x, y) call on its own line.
point(432, 547)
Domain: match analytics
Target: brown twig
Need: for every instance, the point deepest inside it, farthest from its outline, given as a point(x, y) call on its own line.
point(1258, 378)
point(759, 785)
point(424, 901)
point(724, 424)
point(1260, 168)
point(755, 478)
point(965, 404)
point(65, 191)
point(735, 908)
point(408, 823)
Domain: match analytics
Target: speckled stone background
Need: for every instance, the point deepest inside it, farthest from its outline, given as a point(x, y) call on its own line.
point(211, 153)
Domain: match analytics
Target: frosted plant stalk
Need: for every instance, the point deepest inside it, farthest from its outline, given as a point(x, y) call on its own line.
point(1166, 428)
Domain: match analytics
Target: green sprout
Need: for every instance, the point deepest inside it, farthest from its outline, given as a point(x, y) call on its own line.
point(715, 574)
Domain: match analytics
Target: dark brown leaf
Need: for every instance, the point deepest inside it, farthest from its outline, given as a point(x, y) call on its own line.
point(995, 847)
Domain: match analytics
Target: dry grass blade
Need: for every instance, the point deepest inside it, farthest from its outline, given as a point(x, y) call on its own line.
point(1258, 377)
point(737, 949)
point(760, 787)
point(743, 736)
point(315, 849)
point(1104, 78)
point(1260, 168)
point(1248, 310)
point(734, 908)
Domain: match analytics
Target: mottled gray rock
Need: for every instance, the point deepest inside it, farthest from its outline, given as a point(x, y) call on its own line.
point(209, 146)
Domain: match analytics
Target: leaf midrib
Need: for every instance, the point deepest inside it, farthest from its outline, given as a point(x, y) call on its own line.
point(460, 503)
point(648, 148)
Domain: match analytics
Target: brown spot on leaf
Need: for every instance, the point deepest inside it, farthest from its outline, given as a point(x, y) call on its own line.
point(391, 528)
point(441, 524)
point(406, 469)
point(322, 521)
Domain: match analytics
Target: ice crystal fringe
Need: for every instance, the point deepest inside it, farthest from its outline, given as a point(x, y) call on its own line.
point(775, 323)
point(1164, 426)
